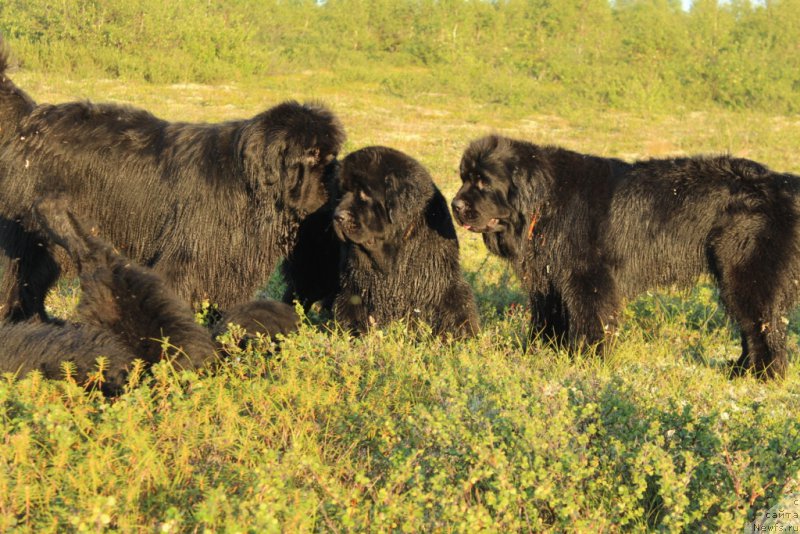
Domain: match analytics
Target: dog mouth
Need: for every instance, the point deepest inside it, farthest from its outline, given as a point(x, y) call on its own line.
point(350, 232)
point(342, 229)
point(473, 220)
point(492, 225)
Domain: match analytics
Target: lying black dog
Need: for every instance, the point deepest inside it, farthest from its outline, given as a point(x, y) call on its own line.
point(400, 259)
point(125, 311)
point(586, 233)
point(210, 207)
point(43, 347)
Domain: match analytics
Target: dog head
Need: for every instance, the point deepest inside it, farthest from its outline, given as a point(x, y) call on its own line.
point(484, 201)
point(295, 145)
point(381, 193)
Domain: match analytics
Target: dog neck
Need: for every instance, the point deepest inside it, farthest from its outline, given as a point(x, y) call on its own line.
point(520, 239)
point(382, 255)
point(532, 226)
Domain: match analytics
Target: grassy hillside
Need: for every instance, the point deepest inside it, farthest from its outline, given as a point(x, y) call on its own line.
point(390, 433)
point(524, 54)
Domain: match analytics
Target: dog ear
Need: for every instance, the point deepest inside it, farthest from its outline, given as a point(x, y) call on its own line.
point(295, 170)
point(505, 159)
point(406, 191)
point(391, 196)
point(261, 155)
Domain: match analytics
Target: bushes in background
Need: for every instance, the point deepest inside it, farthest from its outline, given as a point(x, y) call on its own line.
point(629, 54)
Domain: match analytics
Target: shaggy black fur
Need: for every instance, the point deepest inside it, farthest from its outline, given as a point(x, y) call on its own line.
point(400, 259)
point(121, 297)
point(126, 310)
point(210, 207)
point(42, 347)
point(311, 270)
point(267, 317)
point(14, 104)
point(586, 233)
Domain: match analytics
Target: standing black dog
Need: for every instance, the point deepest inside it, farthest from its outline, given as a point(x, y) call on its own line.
point(400, 259)
point(585, 233)
point(124, 311)
point(210, 207)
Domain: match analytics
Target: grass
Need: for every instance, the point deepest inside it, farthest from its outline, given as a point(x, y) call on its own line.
point(389, 433)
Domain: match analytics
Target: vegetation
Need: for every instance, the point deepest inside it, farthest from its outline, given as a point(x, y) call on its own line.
point(536, 54)
point(384, 433)
point(388, 432)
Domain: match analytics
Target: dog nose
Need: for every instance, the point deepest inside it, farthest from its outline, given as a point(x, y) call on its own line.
point(458, 205)
point(341, 216)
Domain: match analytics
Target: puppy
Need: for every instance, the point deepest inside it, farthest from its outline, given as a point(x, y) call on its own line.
point(265, 317)
point(400, 256)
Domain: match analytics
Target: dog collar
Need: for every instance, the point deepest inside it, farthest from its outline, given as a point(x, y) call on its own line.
point(534, 220)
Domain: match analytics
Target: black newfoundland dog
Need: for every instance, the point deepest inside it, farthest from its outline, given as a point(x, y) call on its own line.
point(585, 233)
point(311, 270)
point(210, 207)
point(125, 310)
point(400, 255)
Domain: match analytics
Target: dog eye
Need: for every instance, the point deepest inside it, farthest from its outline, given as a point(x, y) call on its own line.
point(363, 196)
point(483, 184)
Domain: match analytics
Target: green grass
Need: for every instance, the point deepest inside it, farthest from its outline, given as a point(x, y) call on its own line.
point(387, 432)
point(524, 54)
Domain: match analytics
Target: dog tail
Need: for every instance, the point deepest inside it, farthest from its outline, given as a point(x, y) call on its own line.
point(61, 225)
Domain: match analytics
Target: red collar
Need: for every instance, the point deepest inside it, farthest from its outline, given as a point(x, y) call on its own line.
point(534, 220)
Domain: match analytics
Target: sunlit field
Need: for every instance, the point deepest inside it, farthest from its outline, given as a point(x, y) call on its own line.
point(395, 432)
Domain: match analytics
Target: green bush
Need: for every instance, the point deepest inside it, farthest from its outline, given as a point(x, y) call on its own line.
point(388, 433)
